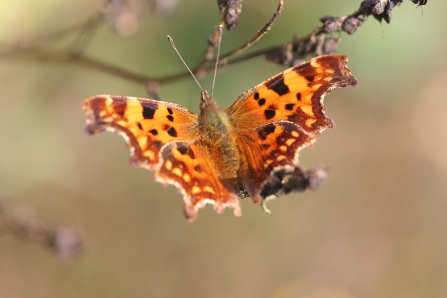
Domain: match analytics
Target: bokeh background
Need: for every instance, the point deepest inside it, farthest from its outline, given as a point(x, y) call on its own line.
point(377, 228)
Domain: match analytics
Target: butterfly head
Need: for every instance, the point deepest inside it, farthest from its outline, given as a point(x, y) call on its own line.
point(207, 102)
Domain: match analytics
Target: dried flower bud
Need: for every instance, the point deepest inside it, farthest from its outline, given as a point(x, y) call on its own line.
point(281, 55)
point(330, 24)
point(419, 2)
point(351, 24)
point(330, 45)
point(231, 10)
point(289, 180)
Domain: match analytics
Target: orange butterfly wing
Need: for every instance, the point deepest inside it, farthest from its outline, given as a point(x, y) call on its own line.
point(189, 167)
point(163, 137)
point(147, 125)
point(279, 117)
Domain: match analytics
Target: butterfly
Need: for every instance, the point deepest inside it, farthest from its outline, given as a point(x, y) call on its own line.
point(220, 156)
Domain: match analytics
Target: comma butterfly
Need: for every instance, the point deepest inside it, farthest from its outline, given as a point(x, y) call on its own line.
point(220, 156)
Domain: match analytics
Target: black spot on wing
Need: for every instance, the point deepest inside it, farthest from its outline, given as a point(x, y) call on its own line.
point(172, 132)
point(170, 111)
point(256, 96)
point(269, 114)
point(310, 79)
point(170, 118)
point(182, 149)
point(186, 149)
point(154, 132)
point(261, 102)
point(298, 96)
point(269, 128)
point(149, 110)
point(140, 126)
point(266, 130)
point(290, 106)
point(277, 84)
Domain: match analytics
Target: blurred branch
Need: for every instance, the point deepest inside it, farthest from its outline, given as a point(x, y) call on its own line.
point(22, 220)
point(84, 35)
point(320, 41)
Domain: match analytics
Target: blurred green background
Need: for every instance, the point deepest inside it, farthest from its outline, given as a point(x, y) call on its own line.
point(377, 228)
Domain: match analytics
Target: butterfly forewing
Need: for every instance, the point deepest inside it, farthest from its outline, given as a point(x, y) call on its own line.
point(147, 125)
point(296, 95)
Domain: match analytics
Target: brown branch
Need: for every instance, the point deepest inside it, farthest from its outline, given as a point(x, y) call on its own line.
point(23, 221)
point(212, 40)
point(37, 54)
point(318, 42)
point(259, 35)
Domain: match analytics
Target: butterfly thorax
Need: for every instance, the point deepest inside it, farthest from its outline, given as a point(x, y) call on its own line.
point(218, 133)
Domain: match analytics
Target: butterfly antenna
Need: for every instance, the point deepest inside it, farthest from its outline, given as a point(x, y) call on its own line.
point(219, 30)
point(175, 49)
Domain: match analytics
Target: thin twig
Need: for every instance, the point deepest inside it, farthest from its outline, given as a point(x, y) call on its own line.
point(85, 35)
point(258, 36)
point(200, 67)
point(23, 221)
point(318, 42)
point(40, 55)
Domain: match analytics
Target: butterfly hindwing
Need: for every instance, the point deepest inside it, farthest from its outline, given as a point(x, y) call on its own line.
point(274, 147)
point(189, 167)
